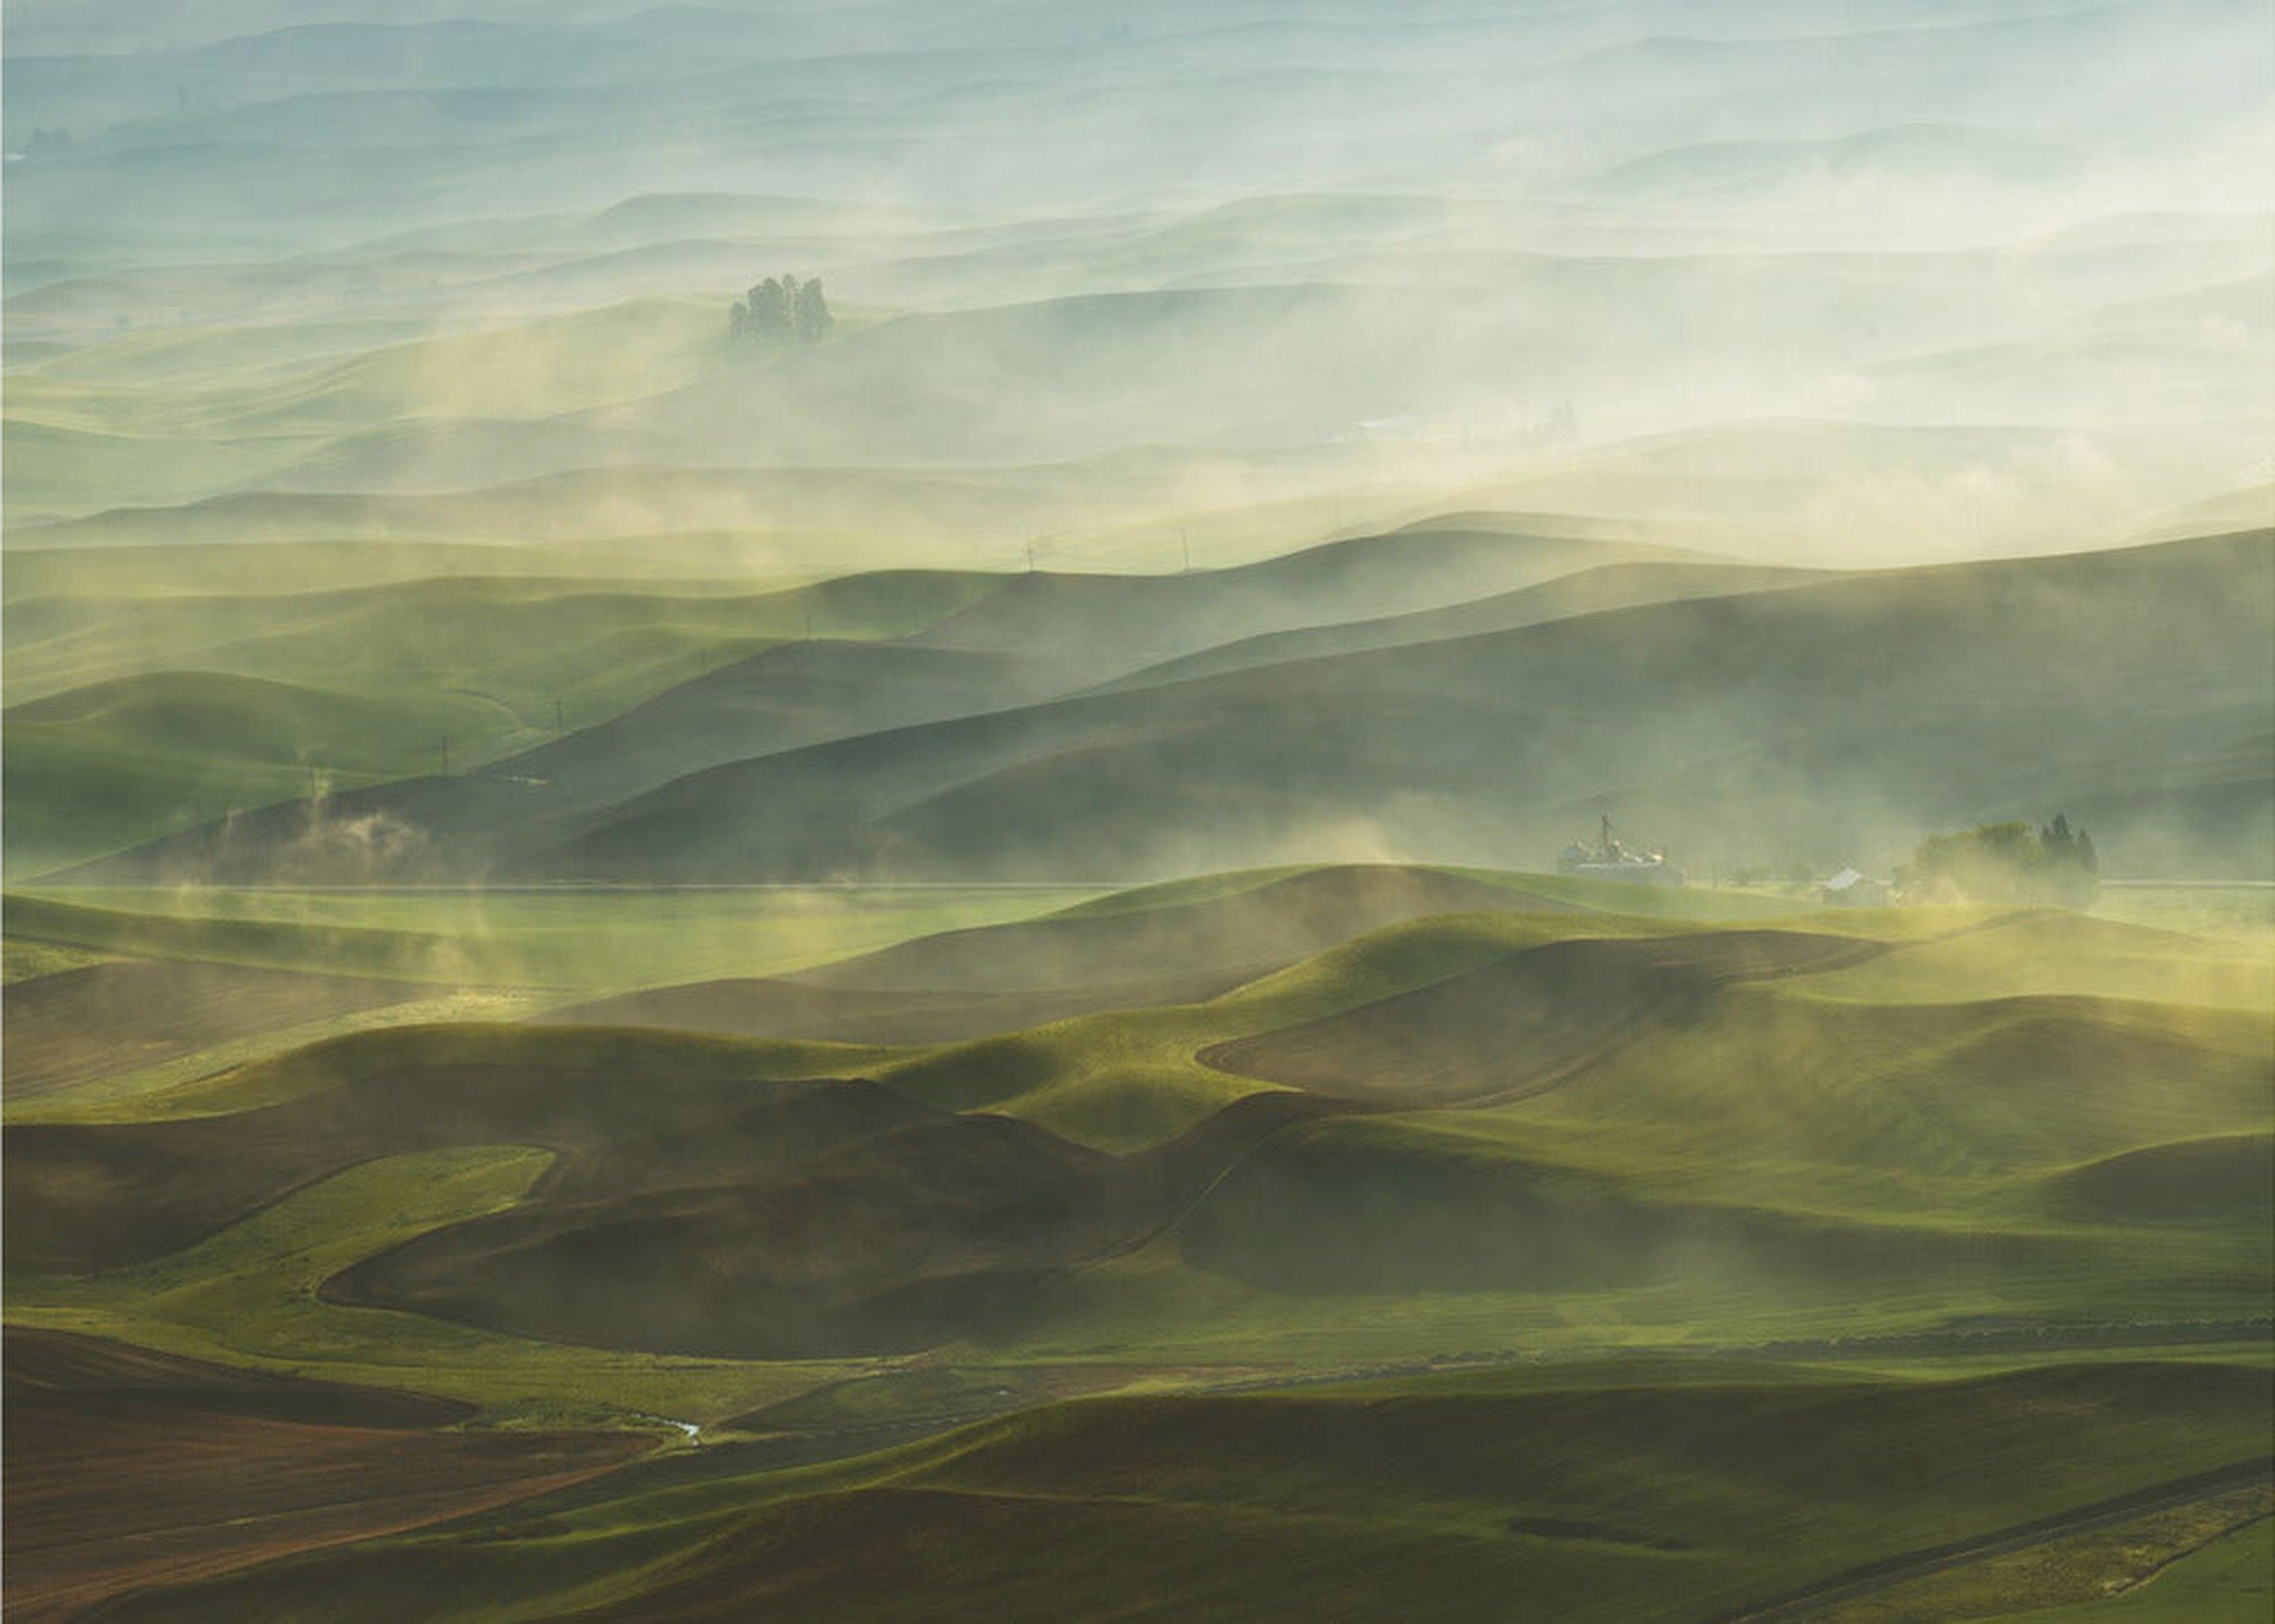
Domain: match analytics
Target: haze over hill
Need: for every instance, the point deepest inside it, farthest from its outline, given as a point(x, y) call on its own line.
point(1797, 722)
point(791, 792)
point(1055, 235)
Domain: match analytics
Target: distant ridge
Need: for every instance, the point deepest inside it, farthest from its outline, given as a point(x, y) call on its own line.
point(1743, 724)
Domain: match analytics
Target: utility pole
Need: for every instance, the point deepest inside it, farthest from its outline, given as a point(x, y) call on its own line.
point(446, 755)
point(1185, 540)
point(557, 729)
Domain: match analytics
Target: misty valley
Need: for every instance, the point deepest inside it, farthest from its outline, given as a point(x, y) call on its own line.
point(1271, 809)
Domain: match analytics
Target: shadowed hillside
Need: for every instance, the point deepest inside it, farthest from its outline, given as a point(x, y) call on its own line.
point(100, 1018)
point(1018, 639)
point(1148, 948)
point(971, 645)
point(1526, 1021)
point(698, 1202)
point(618, 1109)
point(1585, 592)
point(117, 1478)
point(1641, 1496)
point(1745, 724)
point(691, 1205)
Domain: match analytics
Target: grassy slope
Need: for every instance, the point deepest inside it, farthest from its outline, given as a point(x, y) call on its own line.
point(403, 678)
point(794, 522)
point(1940, 1120)
point(1727, 1176)
point(2225, 1582)
point(986, 644)
point(2045, 951)
point(1132, 1078)
point(1718, 1172)
point(1729, 721)
point(451, 956)
point(1160, 945)
point(248, 1296)
point(360, 685)
point(601, 940)
point(105, 767)
point(95, 1020)
point(1015, 640)
point(1016, 1488)
point(1585, 592)
point(251, 564)
point(521, 636)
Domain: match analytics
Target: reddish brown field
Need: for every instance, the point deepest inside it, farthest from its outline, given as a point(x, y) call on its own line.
point(126, 1469)
point(104, 1018)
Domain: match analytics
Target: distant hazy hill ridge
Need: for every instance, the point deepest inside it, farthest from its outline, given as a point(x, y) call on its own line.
point(1831, 717)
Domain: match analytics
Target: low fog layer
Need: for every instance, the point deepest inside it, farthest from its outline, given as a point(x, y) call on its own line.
point(1059, 727)
point(1824, 283)
point(394, 440)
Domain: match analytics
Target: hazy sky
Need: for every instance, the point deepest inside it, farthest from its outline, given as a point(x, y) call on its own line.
point(1494, 253)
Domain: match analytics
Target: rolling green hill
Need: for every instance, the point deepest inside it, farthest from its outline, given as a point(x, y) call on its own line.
point(523, 637)
point(1736, 727)
point(966, 644)
point(1665, 1114)
point(96, 1019)
point(344, 689)
point(1140, 949)
point(100, 768)
point(1584, 591)
point(1014, 640)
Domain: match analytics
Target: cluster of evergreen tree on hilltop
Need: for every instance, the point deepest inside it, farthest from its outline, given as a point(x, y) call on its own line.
point(2008, 862)
point(780, 310)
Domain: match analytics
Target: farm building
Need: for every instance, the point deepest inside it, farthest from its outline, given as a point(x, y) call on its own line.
point(1851, 889)
point(1608, 859)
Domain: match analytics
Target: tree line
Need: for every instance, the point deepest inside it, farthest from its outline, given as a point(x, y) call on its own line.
point(2008, 862)
point(782, 309)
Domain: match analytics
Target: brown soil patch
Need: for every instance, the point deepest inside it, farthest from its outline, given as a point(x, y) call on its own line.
point(103, 1019)
point(126, 1469)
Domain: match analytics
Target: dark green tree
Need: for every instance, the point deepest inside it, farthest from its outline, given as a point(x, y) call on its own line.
point(810, 313)
point(2007, 862)
point(770, 306)
point(780, 310)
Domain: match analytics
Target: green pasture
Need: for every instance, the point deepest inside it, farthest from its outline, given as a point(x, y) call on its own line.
point(2228, 1580)
point(249, 1295)
point(137, 716)
point(1983, 1153)
point(1833, 1266)
point(571, 938)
